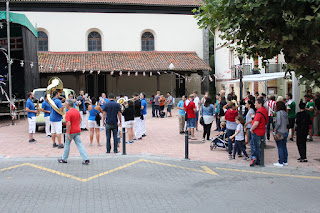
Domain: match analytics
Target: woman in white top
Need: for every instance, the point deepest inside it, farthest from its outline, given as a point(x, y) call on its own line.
point(249, 117)
point(207, 112)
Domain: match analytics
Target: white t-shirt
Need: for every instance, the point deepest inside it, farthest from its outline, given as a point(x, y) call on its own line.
point(240, 135)
point(249, 117)
point(197, 102)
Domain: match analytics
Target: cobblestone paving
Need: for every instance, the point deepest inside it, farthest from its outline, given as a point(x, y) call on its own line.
point(155, 184)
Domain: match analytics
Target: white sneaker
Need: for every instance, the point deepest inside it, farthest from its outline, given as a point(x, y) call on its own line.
point(285, 164)
point(203, 139)
point(278, 164)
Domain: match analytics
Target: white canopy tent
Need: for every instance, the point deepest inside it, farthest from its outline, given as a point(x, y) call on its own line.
point(272, 76)
point(260, 77)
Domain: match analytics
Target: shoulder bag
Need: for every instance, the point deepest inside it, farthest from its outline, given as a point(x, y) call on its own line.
point(97, 118)
point(201, 118)
point(278, 136)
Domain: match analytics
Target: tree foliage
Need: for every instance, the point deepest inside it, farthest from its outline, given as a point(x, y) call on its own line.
point(269, 27)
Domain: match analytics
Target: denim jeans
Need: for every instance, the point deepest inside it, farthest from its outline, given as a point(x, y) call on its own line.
point(230, 132)
point(218, 122)
point(249, 134)
point(157, 112)
point(255, 146)
point(282, 149)
point(114, 129)
point(153, 110)
point(77, 140)
point(270, 122)
point(239, 146)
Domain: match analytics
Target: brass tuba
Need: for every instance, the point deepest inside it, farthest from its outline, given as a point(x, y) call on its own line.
point(123, 101)
point(37, 108)
point(54, 84)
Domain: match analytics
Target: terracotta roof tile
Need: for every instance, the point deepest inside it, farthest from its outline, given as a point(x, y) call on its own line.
point(126, 2)
point(56, 62)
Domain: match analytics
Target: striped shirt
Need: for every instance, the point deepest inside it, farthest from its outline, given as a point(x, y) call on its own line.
point(271, 107)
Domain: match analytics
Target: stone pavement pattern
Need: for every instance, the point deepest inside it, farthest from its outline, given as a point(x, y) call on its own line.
point(150, 187)
point(163, 139)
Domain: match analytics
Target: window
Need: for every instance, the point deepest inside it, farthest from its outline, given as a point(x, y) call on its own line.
point(42, 41)
point(147, 41)
point(94, 41)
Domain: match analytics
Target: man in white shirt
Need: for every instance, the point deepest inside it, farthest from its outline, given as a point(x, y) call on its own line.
point(197, 103)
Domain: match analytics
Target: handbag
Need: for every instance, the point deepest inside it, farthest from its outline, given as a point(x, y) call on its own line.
point(97, 118)
point(201, 121)
point(201, 118)
point(278, 136)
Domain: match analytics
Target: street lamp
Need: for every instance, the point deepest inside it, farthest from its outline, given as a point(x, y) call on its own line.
point(240, 77)
point(171, 68)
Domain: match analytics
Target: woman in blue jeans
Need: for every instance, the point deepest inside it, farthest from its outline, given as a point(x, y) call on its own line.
point(281, 127)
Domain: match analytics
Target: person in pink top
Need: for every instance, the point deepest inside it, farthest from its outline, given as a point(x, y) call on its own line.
point(73, 121)
point(271, 108)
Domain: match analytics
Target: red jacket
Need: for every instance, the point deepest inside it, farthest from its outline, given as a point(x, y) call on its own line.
point(231, 115)
point(189, 109)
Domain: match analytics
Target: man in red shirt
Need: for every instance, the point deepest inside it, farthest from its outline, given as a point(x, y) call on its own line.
point(191, 109)
point(73, 121)
point(258, 130)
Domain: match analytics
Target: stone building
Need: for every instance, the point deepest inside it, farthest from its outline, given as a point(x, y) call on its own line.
point(120, 46)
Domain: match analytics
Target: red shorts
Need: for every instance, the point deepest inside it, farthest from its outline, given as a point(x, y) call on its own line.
point(310, 126)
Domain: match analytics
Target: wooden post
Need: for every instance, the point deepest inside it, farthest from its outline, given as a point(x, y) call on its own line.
point(158, 83)
point(117, 85)
point(77, 83)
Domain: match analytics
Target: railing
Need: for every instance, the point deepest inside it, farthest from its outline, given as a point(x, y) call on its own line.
point(272, 68)
point(247, 67)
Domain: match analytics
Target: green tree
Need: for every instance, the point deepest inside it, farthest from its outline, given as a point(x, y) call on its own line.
point(269, 27)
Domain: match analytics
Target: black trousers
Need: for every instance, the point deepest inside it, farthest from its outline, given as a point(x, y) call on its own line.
point(207, 130)
point(302, 144)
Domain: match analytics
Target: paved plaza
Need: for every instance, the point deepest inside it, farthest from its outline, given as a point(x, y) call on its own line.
point(152, 184)
point(163, 139)
point(152, 177)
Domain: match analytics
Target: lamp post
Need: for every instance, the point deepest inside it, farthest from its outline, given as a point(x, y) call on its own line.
point(240, 77)
point(9, 58)
point(171, 68)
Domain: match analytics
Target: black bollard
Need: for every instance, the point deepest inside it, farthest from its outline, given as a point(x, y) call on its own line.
point(64, 131)
point(186, 154)
point(123, 141)
point(262, 152)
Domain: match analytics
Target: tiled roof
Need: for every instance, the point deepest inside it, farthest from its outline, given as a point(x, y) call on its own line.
point(125, 2)
point(56, 62)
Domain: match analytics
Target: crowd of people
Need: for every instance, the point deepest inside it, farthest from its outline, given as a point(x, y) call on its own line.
point(158, 103)
point(249, 121)
point(83, 113)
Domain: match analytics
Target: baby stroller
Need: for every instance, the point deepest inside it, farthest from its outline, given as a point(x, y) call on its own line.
point(220, 141)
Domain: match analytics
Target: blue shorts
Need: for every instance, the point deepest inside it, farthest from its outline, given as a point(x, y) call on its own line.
point(169, 108)
point(191, 123)
point(197, 116)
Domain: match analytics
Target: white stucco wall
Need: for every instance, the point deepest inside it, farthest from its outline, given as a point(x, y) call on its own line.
point(68, 32)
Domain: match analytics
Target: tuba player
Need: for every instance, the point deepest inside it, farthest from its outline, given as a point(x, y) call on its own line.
point(56, 121)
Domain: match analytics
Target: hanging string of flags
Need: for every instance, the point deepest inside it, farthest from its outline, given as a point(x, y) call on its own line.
point(23, 63)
